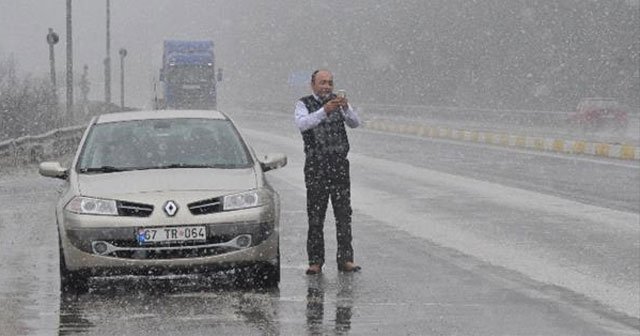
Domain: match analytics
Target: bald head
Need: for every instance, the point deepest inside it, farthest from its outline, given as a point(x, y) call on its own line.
point(322, 83)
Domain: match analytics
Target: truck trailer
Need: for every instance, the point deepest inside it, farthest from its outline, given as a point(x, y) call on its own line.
point(188, 75)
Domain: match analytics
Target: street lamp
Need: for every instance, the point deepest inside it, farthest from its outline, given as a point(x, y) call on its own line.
point(69, 63)
point(107, 60)
point(84, 86)
point(123, 54)
point(52, 39)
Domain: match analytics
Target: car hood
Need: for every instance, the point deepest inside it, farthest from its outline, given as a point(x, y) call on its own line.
point(164, 180)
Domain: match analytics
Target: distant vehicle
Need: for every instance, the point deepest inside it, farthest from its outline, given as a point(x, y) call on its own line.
point(171, 190)
point(189, 76)
point(599, 114)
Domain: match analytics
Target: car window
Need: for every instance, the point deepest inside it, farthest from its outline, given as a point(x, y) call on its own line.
point(164, 143)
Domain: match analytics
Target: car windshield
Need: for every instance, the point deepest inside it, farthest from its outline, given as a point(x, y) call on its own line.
point(162, 144)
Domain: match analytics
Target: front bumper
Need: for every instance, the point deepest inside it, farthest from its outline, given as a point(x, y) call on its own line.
point(226, 246)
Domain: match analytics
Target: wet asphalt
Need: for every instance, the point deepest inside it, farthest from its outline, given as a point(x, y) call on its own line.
point(409, 285)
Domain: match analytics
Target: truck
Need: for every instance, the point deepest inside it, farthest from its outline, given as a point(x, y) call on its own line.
point(188, 75)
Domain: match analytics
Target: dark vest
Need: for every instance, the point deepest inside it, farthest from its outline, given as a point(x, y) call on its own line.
point(329, 137)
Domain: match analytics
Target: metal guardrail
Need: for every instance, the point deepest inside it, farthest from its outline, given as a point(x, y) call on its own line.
point(531, 122)
point(53, 144)
point(537, 130)
point(36, 148)
point(548, 144)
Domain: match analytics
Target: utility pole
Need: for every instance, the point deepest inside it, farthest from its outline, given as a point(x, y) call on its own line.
point(123, 54)
point(84, 87)
point(69, 113)
point(52, 39)
point(107, 60)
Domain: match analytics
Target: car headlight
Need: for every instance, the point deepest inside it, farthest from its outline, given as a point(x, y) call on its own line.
point(92, 206)
point(249, 199)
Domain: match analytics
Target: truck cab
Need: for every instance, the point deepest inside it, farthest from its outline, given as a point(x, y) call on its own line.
point(189, 76)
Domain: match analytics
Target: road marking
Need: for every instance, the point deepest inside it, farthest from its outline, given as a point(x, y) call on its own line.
point(567, 146)
point(601, 160)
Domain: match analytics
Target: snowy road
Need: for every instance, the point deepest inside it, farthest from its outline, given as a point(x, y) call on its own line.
point(454, 238)
point(568, 221)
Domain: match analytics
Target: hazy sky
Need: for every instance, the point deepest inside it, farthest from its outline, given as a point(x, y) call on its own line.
point(243, 31)
point(140, 26)
point(393, 51)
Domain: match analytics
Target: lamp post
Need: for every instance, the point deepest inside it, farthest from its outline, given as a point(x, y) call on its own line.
point(84, 87)
point(107, 60)
point(69, 64)
point(52, 39)
point(123, 54)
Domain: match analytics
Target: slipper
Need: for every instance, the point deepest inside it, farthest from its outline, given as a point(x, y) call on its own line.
point(353, 268)
point(314, 269)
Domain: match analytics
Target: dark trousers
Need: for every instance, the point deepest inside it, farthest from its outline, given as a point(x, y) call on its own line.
point(328, 180)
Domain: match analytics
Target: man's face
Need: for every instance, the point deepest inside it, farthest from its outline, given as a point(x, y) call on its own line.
point(322, 85)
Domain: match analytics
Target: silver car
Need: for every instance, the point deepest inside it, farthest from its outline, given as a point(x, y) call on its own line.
point(166, 191)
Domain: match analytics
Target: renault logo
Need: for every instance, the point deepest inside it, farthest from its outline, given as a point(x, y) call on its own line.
point(170, 208)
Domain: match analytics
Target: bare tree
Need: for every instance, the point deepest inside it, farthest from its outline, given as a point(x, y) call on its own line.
point(27, 104)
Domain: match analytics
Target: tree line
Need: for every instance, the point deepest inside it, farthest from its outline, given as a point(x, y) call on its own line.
point(27, 104)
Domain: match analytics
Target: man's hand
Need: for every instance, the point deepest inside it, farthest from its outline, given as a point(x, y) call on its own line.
point(343, 102)
point(331, 106)
point(335, 104)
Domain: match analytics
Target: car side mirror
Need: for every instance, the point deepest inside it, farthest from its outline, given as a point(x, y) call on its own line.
point(53, 169)
point(273, 161)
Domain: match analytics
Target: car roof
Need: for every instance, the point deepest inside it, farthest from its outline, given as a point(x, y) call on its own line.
point(160, 114)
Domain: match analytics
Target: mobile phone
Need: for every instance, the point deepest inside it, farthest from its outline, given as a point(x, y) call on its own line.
point(341, 93)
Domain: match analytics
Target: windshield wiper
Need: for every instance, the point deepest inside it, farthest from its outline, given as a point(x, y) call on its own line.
point(185, 165)
point(103, 169)
point(111, 169)
point(190, 165)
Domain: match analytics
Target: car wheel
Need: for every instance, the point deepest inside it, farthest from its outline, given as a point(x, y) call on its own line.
point(267, 275)
point(72, 281)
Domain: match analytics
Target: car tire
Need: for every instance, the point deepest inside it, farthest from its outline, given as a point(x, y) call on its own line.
point(267, 275)
point(72, 282)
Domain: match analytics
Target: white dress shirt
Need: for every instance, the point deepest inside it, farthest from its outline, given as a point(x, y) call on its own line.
point(306, 120)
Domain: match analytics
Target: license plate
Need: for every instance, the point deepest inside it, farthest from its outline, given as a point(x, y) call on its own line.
point(171, 234)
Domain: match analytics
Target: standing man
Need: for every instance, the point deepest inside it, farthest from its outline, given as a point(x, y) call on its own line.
point(321, 118)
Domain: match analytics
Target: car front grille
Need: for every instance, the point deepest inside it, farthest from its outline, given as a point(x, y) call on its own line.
point(217, 239)
point(207, 206)
point(220, 240)
point(131, 209)
point(172, 254)
point(216, 245)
